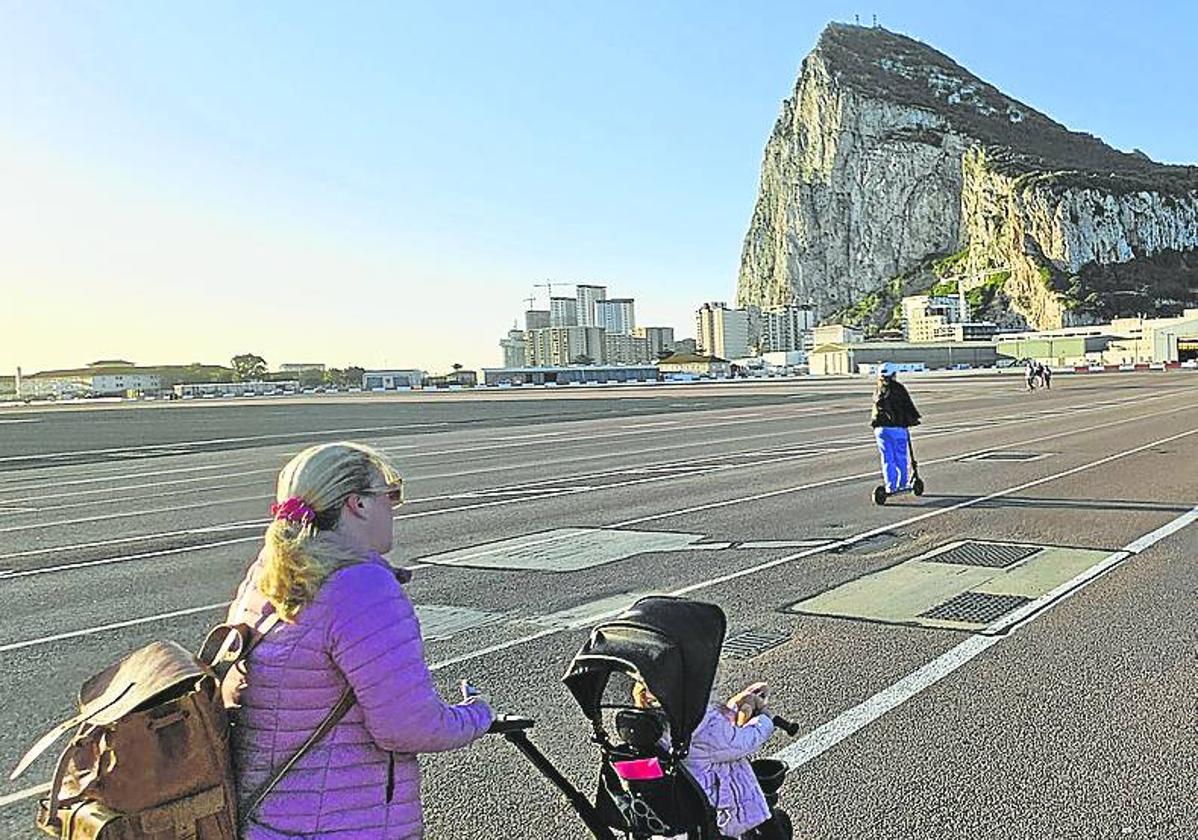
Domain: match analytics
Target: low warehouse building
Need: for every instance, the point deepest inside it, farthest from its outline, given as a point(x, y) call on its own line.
point(833, 359)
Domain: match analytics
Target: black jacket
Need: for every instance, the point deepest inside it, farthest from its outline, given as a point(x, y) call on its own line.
point(893, 406)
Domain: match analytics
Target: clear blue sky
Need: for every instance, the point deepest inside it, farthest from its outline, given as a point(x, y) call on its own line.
point(382, 183)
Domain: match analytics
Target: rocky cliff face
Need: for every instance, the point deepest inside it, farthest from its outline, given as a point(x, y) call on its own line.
point(890, 154)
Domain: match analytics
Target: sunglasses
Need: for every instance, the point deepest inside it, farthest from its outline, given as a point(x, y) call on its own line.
point(393, 492)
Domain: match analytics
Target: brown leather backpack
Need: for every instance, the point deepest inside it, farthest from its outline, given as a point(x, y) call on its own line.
point(150, 757)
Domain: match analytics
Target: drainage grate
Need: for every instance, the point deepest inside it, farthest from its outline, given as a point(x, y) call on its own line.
point(994, 555)
point(750, 643)
point(1007, 456)
point(975, 607)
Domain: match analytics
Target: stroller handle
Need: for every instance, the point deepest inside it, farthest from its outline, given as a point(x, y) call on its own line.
point(789, 727)
point(504, 724)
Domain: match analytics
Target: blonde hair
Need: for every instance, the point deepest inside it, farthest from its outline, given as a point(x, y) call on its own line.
point(299, 556)
point(642, 697)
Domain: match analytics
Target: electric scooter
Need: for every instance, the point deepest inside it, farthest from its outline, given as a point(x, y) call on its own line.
point(880, 495)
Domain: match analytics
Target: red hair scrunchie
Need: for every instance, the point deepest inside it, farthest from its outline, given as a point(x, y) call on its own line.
point(294, 509)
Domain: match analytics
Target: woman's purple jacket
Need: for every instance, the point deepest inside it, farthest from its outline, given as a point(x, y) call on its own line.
point(362, 780)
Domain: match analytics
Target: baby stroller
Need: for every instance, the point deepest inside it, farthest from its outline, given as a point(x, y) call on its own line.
point(672, 645)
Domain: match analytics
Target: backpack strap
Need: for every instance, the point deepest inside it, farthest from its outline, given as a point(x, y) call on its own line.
point(54, 734)
point(346, 701)
point(60, 771)
point(232, 643)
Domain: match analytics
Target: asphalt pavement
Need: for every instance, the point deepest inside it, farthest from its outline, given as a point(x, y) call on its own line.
point(1067, 711)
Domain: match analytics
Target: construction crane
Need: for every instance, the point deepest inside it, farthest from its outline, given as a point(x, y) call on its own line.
point(530, 300)
point(548, 286)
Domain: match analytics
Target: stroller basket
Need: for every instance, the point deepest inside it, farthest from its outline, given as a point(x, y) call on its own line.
point(771, 773)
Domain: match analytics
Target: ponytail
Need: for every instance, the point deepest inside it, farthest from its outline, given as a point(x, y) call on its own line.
point(300, 553)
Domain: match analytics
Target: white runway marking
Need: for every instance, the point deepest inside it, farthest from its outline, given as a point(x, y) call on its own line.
point(74, 634)
point(192, 492)
point(41, 526)
point(213, 529)
point(107, 561)
point(199, 444)
point(803, 554)
point(502, 502)
point(570, 439)
point(9, 486)
point(586, 614)
point(17, 796)
point(819, 741)
point(528, 436)
point(1139, 545)
point(782, 543)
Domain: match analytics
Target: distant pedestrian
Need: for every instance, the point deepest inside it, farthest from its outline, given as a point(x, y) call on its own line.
point(1046, 377)
point(893, 414)
point(1030, 374)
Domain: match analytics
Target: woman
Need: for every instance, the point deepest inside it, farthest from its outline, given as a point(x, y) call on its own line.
point(345, 621)
point(893, 414)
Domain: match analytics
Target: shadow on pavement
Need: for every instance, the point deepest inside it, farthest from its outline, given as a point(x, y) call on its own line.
point(943, 501)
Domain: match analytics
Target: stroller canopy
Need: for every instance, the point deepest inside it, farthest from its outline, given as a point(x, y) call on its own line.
point(671, 644)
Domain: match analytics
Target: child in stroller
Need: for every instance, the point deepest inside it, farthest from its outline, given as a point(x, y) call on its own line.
point(719, 760)
point(647, 788)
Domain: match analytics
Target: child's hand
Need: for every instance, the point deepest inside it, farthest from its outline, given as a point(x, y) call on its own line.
point(761, 692)
point(749, 703)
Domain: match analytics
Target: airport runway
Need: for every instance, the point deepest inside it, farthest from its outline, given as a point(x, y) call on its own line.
point(1038, 681)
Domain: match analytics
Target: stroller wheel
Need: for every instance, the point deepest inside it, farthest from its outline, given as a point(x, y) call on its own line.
point(879, 495)
point(917, 487)
point(785, 825)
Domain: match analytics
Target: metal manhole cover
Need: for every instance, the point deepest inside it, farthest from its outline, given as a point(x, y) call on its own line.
point(750, 643)
point(975, 607)
point(1007, 456)
point(994, 555)
point(438, 622)
point(564, 549)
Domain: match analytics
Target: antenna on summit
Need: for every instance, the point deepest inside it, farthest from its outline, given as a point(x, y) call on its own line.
point(875, 21)
point(856, 20)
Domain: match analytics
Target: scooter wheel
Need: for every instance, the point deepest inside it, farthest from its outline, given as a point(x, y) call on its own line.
point(917, 487)
point(879, 495)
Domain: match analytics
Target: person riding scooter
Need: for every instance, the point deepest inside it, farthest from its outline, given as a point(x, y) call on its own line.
point(893, 414)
